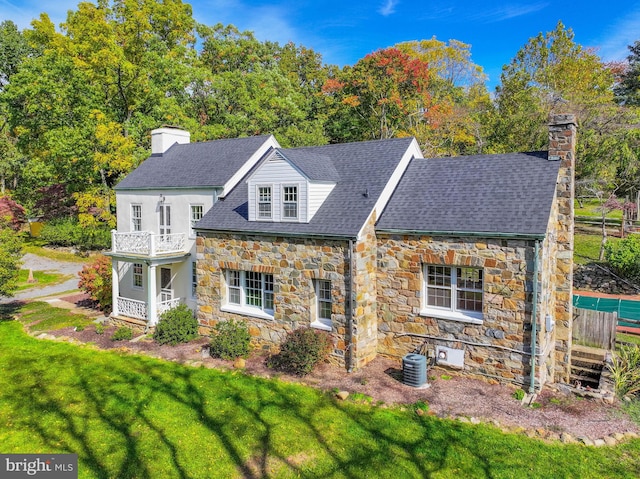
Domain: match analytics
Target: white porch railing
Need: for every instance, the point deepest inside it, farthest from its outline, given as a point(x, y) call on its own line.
point(133, 308)
point(148, 244)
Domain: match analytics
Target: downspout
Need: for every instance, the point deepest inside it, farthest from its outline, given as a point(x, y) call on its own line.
point(349, 309)
point(534, 319)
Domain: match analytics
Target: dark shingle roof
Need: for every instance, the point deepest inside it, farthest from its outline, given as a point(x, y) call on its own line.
point(203, 164)
point(365, 166)
point(314, 165)
point(508, 193)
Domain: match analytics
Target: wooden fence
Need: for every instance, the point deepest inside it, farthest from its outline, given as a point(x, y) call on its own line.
point(594, 328)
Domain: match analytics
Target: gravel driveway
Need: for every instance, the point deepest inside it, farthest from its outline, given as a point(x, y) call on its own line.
point(40, 263)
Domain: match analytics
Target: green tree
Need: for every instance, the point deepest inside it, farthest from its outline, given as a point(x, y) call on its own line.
point(627, 90)
point(10, 255)
point(14, 49)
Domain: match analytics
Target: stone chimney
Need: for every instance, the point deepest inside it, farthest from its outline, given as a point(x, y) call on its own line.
point(164, 138)
point(562, 148)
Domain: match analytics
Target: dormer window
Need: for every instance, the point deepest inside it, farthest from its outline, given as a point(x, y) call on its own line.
point(290, 202)
point(264, 202)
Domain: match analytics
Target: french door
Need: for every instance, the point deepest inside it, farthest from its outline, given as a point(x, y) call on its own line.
point(165, 219)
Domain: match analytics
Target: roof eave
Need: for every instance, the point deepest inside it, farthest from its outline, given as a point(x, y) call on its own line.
point(475, 234)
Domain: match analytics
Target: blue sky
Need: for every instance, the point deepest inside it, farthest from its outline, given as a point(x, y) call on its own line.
point(345, 31)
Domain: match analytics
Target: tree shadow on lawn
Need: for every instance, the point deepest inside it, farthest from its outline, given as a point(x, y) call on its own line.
point(9, 310)
point(130, 416)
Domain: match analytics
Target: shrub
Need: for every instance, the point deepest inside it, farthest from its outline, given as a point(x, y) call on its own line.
point(518, 394)
point(625, 370)
point(69, 232)
point(231, 340)
point(176, 325)
point(95, 279)
point(99, 328)
point(122, 334)
point(301, 351)
point(624, 256)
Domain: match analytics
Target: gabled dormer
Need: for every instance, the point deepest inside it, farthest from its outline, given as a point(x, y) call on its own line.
point(290, 186)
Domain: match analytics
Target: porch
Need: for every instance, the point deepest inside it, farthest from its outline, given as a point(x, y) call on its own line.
point(133, 308)
point(145, 243)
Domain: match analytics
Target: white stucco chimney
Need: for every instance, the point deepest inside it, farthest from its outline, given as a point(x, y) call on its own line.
point(163, 138)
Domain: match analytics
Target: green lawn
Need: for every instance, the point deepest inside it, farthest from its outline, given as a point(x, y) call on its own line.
point(587, 247)
point(42, 279)
point(591, 207)
point(134, 416)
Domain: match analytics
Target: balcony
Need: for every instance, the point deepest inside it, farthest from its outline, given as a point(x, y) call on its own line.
point(145, 243)
point(132, 308)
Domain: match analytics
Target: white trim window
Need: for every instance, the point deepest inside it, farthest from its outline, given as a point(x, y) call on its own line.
point(196, 212)
point(324, 304)
point(453, 292)
point(265, 201)
point(137, 275)
point(250, 292)
point(290, 202)
point(194, 279)
point(136, 217)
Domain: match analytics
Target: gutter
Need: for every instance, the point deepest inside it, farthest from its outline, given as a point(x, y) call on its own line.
point(534, 320)
point(349, 310)
point(277, 233)
point(479, 234)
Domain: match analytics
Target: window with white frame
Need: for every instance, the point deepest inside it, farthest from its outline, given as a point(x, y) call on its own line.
point(250, 289)
point(136, 217)
point(455, 289)
point(196, 214)
point(323, 303)
point(264, 202)
point(290, 202)
point(194, 279)
point(137, 275)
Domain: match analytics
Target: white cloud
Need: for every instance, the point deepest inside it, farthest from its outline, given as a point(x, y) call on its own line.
point(388, 8)
point(612, 43)
point(506, 12)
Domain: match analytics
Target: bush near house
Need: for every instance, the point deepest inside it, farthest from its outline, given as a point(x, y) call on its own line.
point(95, 279)
point(122, 334)
point(301, 351)
point(625, 370)
point(231, 340)
point(177, 325)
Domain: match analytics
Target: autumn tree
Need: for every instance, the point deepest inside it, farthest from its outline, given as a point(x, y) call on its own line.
point(458, 95)
point(383, 95)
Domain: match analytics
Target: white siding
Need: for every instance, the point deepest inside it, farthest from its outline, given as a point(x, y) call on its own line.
point(318, 192)
point(276, 172)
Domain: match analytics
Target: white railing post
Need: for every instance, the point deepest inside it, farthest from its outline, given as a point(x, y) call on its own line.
point(113, 241)
point(115, 286)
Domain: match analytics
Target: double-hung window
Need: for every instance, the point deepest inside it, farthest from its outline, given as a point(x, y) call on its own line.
point(264, 202)
point(137, 275)
point(249, 291)
point(196, 213)
point(456, 292)
point(289, 202)
point(323, 305)
point(136, 217)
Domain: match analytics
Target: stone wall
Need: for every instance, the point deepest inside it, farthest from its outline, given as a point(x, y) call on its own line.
point(295, 263)
point(496, 348)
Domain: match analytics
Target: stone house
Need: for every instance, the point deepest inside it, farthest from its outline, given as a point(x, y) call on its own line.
point(468, 259)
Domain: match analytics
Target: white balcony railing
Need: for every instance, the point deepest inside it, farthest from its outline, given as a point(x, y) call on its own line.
point(148, 244)
point(132, 308)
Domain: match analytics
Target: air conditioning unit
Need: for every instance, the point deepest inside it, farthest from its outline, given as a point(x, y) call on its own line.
point(414, 370)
